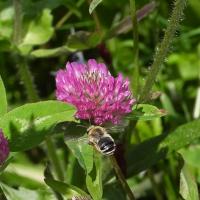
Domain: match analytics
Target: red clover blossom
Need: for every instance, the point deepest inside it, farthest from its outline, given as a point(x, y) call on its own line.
point(4, 149)
point(96, 94)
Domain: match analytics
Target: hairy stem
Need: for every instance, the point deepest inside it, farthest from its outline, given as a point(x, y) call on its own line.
point(163, 48)
point(17, 21)
point(135, 76)
point(121, 178)
point(28, 82)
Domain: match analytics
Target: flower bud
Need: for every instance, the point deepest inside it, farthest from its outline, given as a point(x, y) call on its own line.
point(4, 149)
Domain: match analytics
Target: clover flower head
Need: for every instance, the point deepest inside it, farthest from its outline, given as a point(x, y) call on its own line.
point(4, 149)
point(97, 95)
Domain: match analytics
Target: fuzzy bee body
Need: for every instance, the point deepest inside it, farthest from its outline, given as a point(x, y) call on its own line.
point(101, 140)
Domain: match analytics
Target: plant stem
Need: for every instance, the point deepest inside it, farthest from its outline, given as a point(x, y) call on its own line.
point(63, 19)
point(96, 20)
point(23, 69)
point(17, 21)
point(27, 79)
point(163, 48)
point(33, 96)
point(135, 30)
point(67, 15)
point(135, 77)
point(54, 158)
point(121, 178)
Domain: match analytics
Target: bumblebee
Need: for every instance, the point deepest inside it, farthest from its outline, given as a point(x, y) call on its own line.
point(99, 138)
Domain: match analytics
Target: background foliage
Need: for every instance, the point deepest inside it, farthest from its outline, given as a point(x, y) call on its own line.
point(40, 36)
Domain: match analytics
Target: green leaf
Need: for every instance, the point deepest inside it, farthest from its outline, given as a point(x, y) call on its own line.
point(29, 174)
point(188, 185)
point(43, 53)
point(8, 160)
point(24, 49)
point(32, 9)
point(24, 194)
point(114, 191)
point(3, 105)
point(83, 40)
point(65, 189)
point(184, 65)
point(148, 129)
point(145, 112)
point(94, 180)
point(27, 126)
point(149, 152)
point(168, 105)
point(83, 152)
point(93, 5)
point(91, 163)
point(40, 30)
point(6, 22)
point(191, 155)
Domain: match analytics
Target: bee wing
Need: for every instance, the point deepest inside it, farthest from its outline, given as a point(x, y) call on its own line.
point(76, 139)
point(119, 128)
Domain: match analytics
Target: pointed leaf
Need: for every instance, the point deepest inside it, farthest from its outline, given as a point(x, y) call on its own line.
point(27, 126)
point(147, 153)
point(44, 53)
point(91, 163)
point(83, 152)
point(188, 185)
point(24, 194)
point(40, 30)
point(94, 180)
point(65, 189)
point(145, 112)
point(93, 5)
